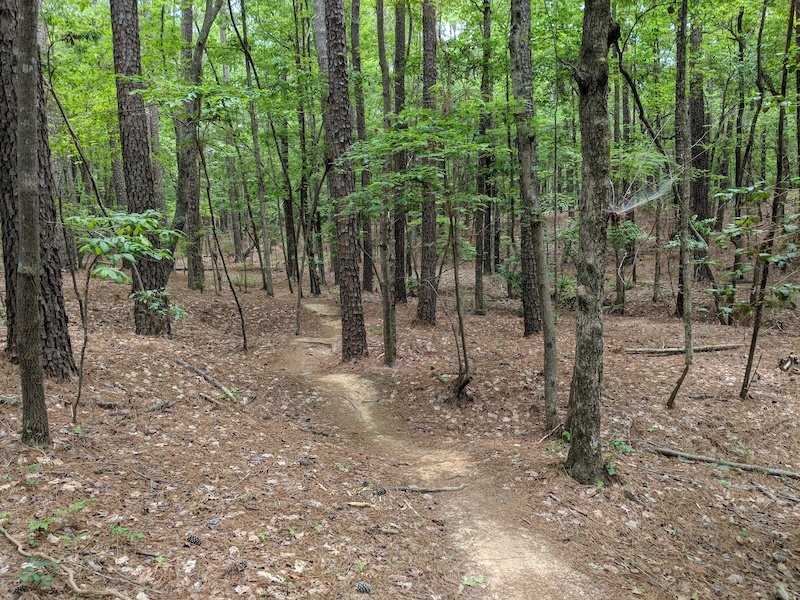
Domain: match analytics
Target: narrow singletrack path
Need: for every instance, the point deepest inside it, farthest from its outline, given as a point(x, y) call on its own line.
point(516, 562)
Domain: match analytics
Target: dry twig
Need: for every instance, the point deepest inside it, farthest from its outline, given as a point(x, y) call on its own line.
point(207, 377)
point(86, 593)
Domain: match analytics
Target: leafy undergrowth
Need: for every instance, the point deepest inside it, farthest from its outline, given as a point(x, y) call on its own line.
point(169, 488)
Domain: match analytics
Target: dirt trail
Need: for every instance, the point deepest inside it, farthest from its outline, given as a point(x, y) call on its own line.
point(516, 562)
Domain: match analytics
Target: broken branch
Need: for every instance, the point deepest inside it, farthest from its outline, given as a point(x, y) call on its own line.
point(207, 377)
point(727, 463)
point(681, 350)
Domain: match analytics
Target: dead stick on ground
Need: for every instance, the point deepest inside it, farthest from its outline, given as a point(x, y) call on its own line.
point(86, 593)
point(207, 377)
point(210, 399)
point(668, 351)
point(551, 432)
point(735, 465)
point(424, 490)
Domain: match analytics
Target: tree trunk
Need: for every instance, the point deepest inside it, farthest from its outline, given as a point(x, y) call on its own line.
point(400, 292)
point(700, 138)
point(683, 160)
point(136, 157)
point(426, 306)
point(779, 195)
point(522, 81)
point(186, 142)
point(584, 461)
point(485, 188)
point(361, 128)
point(386, 239)
point(342, 183)
point(35, 426)
point(117, 174)
point(56, 348)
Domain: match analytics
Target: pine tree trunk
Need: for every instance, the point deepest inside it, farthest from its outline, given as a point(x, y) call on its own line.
point(56, 347)
point(35, 426)
point(426, 306)
point(400, 292)
point(136, 156)
point(342, 183)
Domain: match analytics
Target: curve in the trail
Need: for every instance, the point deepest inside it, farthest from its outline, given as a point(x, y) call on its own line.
point(517, 563)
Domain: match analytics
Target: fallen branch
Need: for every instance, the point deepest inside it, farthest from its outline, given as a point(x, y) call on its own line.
point(681, 350)
point(86, 593)
point(207, 377)
point(727, 463)
point(210, 399)
point(424, 490)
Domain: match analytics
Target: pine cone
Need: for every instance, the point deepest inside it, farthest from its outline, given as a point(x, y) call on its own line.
point(363, 587)
point(194, 540)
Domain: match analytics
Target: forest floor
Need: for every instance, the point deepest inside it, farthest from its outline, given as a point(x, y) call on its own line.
point(311, 477)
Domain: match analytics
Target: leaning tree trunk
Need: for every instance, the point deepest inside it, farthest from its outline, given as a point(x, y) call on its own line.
point(35, 426)
point(426, 306)
point(342, 184)
point(584, 461)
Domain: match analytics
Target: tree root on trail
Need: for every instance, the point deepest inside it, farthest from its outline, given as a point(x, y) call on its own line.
point(727, 463)
point(86, 593)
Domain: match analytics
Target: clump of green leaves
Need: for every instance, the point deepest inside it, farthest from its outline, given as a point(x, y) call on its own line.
point(121, 237)
point(125, 532)
point(36, 573)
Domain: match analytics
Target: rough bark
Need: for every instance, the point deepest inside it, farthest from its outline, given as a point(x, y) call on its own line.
point(400, 291)
point(35, 426)
point(584, 461)
point(386, 238)
point(56, 347)
point(136, 154)
point(426, 306)
point(342, 183)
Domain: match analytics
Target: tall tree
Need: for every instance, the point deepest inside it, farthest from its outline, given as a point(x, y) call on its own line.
point(522, 83)
point(700, 139)
point(400, 292)
point(361, 129)
point(136, 158)
point(426, 306)
point(484, 184)
point(584, 461)
point(187, 209)
point(35, 426)
point(59, 362)
point(342, 184)
point(683, 160)
point(386, 243)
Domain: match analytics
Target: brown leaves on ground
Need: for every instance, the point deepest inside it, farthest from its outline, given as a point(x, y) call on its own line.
point(290, 495)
